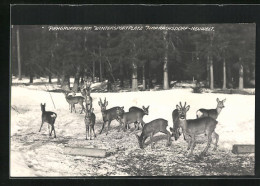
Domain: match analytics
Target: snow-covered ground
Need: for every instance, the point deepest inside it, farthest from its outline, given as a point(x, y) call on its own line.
point(36, 154)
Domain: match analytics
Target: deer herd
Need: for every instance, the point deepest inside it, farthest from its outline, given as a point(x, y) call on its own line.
point(204, 124)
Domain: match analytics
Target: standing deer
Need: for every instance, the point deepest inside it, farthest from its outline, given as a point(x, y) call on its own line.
point(151, 128)
point(194, 127)
point(110, 114)
point(213, 113)
point(72, 100)
point(86, 94)
point(90, 119)
point(48, 117)
point(135, 115)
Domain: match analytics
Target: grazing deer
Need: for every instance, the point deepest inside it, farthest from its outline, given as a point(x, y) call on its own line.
point(90, 119)
point(86, 94)
point(151, 128)
point(176, 124)
point(194, 127)
point(110, 114)
point(135, 115)
point(213, 113)
point(72, 100)
point(48, 117)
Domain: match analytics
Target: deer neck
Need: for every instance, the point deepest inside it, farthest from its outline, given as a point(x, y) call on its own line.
point(183, 123)
point(218, 110)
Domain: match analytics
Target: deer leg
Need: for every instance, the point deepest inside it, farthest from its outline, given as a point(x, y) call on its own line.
point(216, 136)
point(49, 129)
point(54, 131)
point(41, 126)
point(108, 126)
point(86, 132)
point(94, 131)
point(208, 145)
point(192, 145)
point(89, 132)
point(82, 108)
point(168, 138)
point(102, 127)
point(143, 123)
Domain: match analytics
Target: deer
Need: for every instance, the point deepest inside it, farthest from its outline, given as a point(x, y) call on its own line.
point(86, 94)
point(72, 100)
point(48, 117)
point(213, 113)
point(176, 124)
point(135, 115)
point(90, 119)
point(151, 128)
point(110, 114)
point(195, 127)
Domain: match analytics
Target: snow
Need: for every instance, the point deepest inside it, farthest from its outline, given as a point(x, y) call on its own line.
point(29, 148)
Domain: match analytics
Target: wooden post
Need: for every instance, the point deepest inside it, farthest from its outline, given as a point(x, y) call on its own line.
point(81, 151)
point(242, 149)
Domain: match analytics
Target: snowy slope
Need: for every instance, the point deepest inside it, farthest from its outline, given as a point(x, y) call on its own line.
point(236, 121)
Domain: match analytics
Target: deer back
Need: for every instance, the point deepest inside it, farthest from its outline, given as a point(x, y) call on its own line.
point(200, 125)
point(112, 113)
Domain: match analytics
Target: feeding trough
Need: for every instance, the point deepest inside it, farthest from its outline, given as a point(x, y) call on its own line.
point(243, 149)
point(81, 151)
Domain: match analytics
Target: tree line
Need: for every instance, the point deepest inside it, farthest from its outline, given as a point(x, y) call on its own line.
point(222, 58)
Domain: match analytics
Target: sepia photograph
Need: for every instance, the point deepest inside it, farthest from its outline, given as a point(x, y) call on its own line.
point(132, 100)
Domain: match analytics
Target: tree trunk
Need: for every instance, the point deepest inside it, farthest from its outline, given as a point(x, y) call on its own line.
point(211, 62)
point(31, 77)
point(18, 54)
point(144, 86)
point(208, 72)
point(100, 65)
point(165, 62)
point(134, 78)
point(134, 71)
point(94, 75)
point(65, 84)
point(241, 75)
point(76, 80)
point(58, 79)
point(49, 78)
point(224, 74)
point(211, 73)
point(121, 74)
point(50, 62)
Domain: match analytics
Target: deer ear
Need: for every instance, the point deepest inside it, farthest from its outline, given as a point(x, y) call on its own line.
point(92, 109)
point(44, 104)
point(178, 107)
point(148, 107)
point(224, 100)
point(187, 108)
point(143, 107)
point(122, 108)
point(217, 100)
point(106, 103)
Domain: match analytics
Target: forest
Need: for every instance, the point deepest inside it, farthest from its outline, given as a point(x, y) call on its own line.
point(221, 58)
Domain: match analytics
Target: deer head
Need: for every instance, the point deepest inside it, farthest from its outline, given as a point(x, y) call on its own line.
point(103, 105)
point(120, 111)
point(43, 107)
point(220, 103)
point(146, 110)
point(182, 110)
